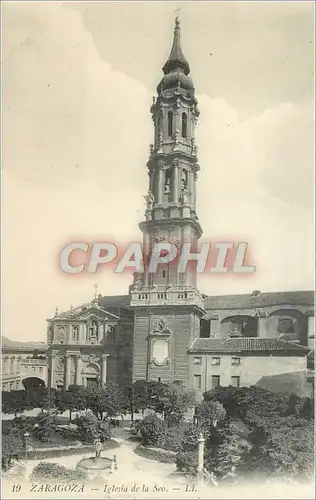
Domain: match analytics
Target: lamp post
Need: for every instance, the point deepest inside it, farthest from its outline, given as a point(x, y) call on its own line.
point(26, 436)
point(201, 442)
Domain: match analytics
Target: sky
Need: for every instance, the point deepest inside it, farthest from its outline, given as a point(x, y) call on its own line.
point(78, 82)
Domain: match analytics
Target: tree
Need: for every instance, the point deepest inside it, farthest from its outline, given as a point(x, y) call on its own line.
point(12, 445)
point(176, 401)
point(15, 402)
point(136, 397)
point(171, 400)
point(45, 426)
point(108, 400)
point(282, 446)
point(212, 422)
point(225, 396)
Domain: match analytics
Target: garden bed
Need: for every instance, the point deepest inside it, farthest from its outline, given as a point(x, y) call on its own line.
point(158, 454)
point(58, 451)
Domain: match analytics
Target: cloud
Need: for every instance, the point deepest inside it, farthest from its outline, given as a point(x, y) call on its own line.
point(76, 141)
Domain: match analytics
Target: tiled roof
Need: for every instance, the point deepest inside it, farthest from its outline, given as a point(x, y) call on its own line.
point(259, 300)
point(246, 344)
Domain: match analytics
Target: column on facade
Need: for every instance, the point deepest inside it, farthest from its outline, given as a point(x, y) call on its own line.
point(194, 189)
point(175, 181)
point(52, 369)
point(78, 378)
point(262, 324)
point(311, 329)
point(150, 177)
point(103, 368)
point(146, 253)
point(160, 186)
point(67, 371)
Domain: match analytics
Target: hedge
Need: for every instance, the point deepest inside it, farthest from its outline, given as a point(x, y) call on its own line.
point(158, 454)
point(60, 451)
point(52, 472)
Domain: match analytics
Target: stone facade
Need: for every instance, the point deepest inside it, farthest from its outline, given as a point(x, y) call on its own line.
point(89, 345)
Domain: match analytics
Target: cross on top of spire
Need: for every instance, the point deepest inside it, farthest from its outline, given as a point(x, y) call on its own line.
point(176, 60)
point(177, 11)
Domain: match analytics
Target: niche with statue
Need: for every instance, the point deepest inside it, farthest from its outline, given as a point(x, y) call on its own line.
point(168, 186)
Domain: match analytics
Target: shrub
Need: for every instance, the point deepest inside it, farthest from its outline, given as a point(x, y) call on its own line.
point(152, 430)
point(187, 462)
point(190, 437)
point(172, 439)
point(159, 454)
point(47, 471)
point(104, 430)
point(90, 428)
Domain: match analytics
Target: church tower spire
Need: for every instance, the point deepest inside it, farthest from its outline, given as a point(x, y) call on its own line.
point(176, 59)
point(169, 295)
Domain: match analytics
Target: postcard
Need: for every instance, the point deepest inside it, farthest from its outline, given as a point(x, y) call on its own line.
point(158, 250)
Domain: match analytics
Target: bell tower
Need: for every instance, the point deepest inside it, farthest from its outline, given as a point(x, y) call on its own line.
point(166, 301)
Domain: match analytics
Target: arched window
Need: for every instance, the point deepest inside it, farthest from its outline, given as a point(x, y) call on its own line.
point(184, 125)
point(170, 123)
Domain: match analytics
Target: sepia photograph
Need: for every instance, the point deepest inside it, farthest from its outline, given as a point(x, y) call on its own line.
point(158, 247)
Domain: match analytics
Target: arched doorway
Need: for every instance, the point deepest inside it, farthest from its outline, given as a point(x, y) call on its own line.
point(239, 326)
point(33, 383)
point(287, 324)
point(91, 375)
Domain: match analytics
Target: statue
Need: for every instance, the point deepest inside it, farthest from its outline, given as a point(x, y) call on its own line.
point(149, 200)
point(185, 196)
point(160, 139)
point(194, 146)
point(49, 335)
point(167, 186)
point(75, 333)
point(93, 331)
point(61, 334)
point(177, 136)
point(98, 449)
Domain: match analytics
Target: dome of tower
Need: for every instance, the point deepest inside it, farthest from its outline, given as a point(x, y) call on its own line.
point(175, 79)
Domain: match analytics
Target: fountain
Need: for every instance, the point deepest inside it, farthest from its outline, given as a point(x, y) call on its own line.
point(97, 466)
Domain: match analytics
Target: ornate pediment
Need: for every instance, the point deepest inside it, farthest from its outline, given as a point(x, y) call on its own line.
point(93, 313)
point(160, 327)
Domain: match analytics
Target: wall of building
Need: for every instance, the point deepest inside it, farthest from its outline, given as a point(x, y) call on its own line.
point(182, 327)
point(299, 383)
point(17, 366)
point(249, 369)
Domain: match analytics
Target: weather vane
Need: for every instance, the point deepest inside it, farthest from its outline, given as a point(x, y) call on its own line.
point(96, 288)
point(177, 10)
